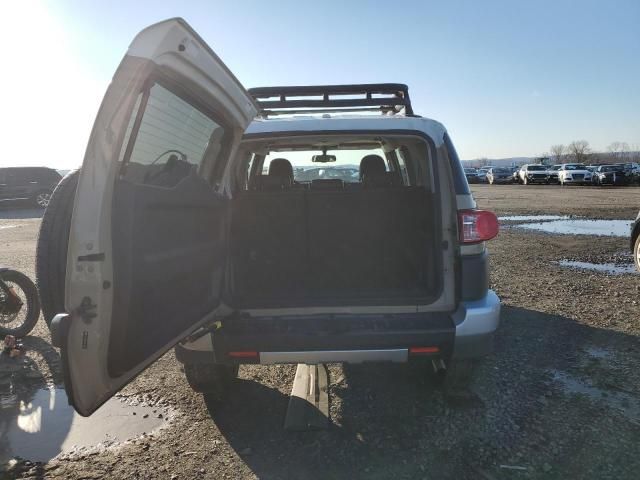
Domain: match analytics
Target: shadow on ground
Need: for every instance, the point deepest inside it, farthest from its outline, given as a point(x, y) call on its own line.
point(393, 421)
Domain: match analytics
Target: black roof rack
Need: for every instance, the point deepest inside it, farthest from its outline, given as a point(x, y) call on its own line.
point(387, 98)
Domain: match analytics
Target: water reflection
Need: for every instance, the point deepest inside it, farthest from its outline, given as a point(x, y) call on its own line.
point(43, 425)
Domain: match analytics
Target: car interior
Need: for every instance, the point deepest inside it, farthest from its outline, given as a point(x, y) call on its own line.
point(291, 239)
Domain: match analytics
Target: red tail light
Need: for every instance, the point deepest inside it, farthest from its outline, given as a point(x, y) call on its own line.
point(423, 350)
point(477, 226)
point(244, 354)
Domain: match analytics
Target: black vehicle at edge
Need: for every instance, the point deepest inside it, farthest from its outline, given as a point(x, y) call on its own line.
point(635, 241)
point(30, 184)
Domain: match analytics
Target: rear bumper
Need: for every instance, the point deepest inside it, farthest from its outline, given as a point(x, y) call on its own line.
point(476, 323)
point(466, 333)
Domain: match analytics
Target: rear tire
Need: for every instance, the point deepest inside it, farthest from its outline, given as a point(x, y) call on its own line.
point(213, 380)
point(636, 252)
point(51, 251)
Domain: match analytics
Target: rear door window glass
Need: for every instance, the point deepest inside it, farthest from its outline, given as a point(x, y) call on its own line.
point(171, 141)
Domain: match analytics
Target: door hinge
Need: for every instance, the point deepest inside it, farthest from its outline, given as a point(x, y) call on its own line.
point(86, 310)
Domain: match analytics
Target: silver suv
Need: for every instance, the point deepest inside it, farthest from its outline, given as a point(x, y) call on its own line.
point(201, 221)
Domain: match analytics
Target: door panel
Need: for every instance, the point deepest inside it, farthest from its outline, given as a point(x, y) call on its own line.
point(169, 266)
point(147, 241)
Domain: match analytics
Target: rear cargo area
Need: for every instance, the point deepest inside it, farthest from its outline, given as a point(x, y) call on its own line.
point(333, 243)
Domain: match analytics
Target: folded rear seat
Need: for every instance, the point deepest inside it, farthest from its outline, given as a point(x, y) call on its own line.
point(269, 244)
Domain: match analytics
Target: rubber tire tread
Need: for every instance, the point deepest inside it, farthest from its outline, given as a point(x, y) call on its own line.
point(51, 250)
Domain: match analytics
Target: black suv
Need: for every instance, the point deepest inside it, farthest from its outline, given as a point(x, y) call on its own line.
point(33, 184)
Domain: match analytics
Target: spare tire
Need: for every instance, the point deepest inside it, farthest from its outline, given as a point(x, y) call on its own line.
point(51, 252)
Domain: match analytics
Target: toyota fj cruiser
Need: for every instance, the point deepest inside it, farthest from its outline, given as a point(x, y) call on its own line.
point(192, 224)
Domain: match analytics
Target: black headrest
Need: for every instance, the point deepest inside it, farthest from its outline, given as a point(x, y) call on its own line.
point(281, 167)
point(372, 165)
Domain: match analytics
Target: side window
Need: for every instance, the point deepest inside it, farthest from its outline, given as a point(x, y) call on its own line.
point(402, 163)
point(171, 140)
point(459, 178)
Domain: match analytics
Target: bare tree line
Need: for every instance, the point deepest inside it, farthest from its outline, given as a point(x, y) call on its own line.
point(579, 151)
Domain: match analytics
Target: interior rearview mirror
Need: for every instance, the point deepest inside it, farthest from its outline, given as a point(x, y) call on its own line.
point(323, 158)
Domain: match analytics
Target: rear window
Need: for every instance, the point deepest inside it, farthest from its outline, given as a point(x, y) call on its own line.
point(172, 140)
point(345, 168)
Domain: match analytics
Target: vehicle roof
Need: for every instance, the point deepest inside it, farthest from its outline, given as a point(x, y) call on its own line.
point(348, 123)
point(28, 167)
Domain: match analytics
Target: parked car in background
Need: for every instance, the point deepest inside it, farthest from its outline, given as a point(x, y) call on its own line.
point(552, 173)
point(471, 174)
point(30, 184)
point(482, 174)
point(515, 174)
point(635, 241)
point(633, 172)
point(574, 173)
point(499, 175)
point(609, 175)
point(535, 173)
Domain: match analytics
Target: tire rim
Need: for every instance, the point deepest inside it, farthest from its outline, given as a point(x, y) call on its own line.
point(638, 255)
point(43, 199)
point(11, 320)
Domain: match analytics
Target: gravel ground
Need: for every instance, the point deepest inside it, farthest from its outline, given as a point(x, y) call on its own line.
point(560, 398)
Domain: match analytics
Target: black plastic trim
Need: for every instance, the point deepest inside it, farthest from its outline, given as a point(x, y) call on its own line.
point(474, 276)
point(460, 182)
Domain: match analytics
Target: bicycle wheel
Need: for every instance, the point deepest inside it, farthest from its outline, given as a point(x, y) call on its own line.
point(19, 304)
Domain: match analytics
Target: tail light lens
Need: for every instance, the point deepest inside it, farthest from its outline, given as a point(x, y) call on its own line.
point(477, 226)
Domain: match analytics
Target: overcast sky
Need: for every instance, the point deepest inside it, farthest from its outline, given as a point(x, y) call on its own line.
point(506, 78)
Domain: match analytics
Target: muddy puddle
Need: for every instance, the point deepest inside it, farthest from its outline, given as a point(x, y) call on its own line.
point(609, 228)
point(531, 218)
point(623, 402)
point(42, 425)
point(608, 268)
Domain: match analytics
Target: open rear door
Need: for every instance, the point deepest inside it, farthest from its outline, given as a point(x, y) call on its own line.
point(147, 245)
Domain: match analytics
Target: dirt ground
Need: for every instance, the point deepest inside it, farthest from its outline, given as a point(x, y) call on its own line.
point(560, 397)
